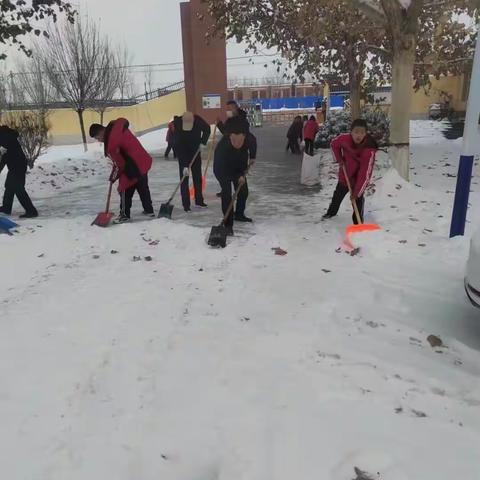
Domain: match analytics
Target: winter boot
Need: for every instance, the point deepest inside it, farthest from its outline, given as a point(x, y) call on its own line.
point(122, 218)
point(242, 218)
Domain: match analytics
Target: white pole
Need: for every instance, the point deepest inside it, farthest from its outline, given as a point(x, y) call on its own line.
point(471, 136)
point(471, 147)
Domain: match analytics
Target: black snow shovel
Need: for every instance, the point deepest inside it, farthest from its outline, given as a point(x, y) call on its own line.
point(218, 234)
point(166, 209)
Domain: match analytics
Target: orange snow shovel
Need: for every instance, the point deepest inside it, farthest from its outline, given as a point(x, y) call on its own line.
point(360, 227)
point(103, 219)
point(209, 159)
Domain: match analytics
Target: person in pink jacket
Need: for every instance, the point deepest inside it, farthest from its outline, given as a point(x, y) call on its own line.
point(356, 151)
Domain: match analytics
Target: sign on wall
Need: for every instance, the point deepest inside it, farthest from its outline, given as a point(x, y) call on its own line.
point(211, 101)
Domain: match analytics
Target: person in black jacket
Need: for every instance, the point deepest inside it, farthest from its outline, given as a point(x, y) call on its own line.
point(230, 166)
point(235, 114)
point(16, 162)
point(295, 135)
point(190, 131)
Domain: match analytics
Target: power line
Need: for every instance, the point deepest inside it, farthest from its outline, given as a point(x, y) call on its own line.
point(168, 64)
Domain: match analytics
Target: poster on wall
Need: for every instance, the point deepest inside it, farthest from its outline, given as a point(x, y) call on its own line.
point(211, 101)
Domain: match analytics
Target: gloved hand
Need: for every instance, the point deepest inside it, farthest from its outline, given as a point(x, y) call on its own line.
point(186, 172)
point(241, 180)
point(115, 174)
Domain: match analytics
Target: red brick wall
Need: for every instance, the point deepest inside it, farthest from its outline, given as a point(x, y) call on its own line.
point(205, 65)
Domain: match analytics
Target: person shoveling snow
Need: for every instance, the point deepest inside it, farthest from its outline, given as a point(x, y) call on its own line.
point(131, 164)
point(355, 152)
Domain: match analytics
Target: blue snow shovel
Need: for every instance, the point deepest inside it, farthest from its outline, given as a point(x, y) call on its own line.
point(6, 225)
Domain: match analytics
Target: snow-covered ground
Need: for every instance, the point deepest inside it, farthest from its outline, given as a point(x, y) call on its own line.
point(137, 352)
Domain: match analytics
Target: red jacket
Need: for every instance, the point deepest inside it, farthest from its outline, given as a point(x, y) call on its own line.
point(130, 160)
point(170, 132)
point(358, 160)
point(310, 130)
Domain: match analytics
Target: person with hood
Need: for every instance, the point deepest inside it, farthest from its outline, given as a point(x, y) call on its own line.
point(230, 165)
point(294, 135)
point(236, 114)
point(310, 131)
point(356, 151)
point(14, 158)
point(191, 131)
point(169, 139)
point(131, 164)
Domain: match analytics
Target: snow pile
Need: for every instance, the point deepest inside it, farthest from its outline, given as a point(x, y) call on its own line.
point(137, 352)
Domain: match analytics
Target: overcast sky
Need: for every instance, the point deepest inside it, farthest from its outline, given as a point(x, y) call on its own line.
point(151, 29)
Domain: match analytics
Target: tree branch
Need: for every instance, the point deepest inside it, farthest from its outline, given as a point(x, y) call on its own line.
point(371, 9)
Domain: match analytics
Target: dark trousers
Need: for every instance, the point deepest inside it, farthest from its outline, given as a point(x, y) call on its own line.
point(197, 182)
point(340, 193)
point(241, 199)
point(226, 186)
point(293, 145)
point(143, 190)
point(170, 147)
point(15, 186)
point(309, 147)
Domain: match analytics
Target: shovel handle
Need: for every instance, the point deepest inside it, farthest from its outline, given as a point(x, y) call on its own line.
point(354, 203)
point(230, 207)
point(184, 176)
point(210, 152)
point(109, 196)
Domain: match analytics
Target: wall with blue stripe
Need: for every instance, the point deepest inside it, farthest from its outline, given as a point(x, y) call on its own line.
point(298, 102)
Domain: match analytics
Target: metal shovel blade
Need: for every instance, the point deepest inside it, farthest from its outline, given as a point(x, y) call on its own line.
point(218, 237)
point(103, 219)
point(166, 211)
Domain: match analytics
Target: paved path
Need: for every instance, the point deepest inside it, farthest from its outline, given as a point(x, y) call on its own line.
point(274, 187)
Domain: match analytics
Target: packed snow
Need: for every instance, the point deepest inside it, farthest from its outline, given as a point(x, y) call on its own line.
point(137, 352)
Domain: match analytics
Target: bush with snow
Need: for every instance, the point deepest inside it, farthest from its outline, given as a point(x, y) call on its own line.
point(339, 122)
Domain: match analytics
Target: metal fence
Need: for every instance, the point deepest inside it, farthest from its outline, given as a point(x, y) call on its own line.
point(120, 102)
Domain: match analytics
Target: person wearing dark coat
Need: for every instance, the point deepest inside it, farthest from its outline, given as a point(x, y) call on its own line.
point(190, 131)
point(236, 114)
point(230, 165)
point(295, 135)
point(15, 160)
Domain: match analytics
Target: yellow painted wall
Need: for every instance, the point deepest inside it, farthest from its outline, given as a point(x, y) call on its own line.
point(421, 100)
point(65, 127)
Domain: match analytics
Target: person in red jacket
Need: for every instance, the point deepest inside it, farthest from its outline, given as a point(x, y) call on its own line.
point(310, 131)
point(131, 164)
point(356, 151)
point(169, 139)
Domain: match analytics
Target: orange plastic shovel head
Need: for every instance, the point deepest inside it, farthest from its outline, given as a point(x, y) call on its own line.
point(362, 228)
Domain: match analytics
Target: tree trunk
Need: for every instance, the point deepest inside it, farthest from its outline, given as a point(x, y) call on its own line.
point(355, 89)
point(82, 128)
point(101, 116)
point(402, 75)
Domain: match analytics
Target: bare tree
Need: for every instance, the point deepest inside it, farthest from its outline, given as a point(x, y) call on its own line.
point(33, 129)
point(36, 86)
point(76, 60)
point(114, 81)
point(149, 81)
